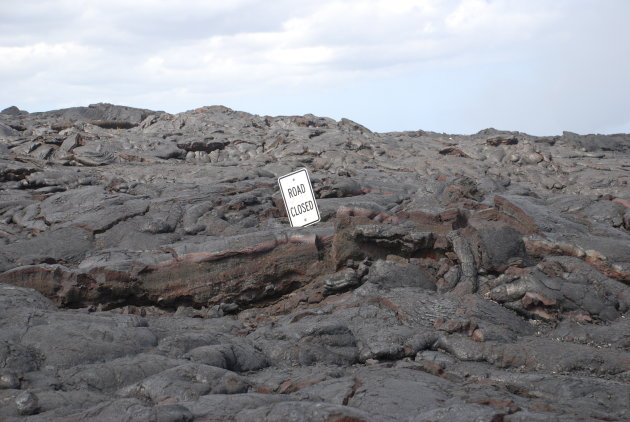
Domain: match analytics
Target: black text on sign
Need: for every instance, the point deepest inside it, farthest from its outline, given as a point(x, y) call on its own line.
point(299, 199)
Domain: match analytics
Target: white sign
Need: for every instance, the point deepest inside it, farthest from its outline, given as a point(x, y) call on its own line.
point(299, 199)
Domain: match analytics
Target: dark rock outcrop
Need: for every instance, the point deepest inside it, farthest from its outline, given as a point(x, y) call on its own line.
point(148, 271)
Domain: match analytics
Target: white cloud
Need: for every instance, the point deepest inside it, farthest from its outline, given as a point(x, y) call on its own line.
point(339, 37)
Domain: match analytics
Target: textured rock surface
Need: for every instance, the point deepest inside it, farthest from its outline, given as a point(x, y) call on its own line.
point(148, 271)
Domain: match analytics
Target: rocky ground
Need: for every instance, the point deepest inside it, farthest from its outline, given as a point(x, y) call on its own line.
point(148, 271)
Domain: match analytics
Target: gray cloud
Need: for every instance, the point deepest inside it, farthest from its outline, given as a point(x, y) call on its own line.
point(536, 66)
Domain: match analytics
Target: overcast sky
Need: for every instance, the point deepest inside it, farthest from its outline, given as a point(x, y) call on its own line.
point(456, 66)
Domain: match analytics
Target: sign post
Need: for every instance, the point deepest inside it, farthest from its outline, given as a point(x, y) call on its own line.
point(299, 199)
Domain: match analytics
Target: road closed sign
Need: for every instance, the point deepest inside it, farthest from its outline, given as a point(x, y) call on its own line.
point(299, 199)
